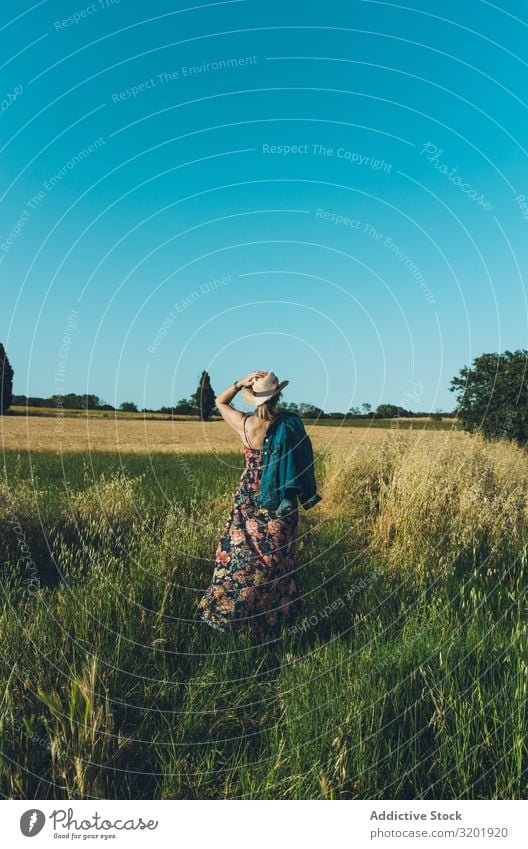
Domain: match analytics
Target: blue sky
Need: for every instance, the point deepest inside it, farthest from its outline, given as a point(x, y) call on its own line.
point(334, 192)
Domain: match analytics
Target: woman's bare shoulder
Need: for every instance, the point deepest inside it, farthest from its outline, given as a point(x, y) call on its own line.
point(256, 429)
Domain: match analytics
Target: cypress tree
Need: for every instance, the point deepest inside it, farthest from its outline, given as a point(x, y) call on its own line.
point(6, 381)
point(204, 397)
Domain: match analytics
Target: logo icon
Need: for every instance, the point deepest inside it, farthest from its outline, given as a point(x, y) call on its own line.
point(32, 822)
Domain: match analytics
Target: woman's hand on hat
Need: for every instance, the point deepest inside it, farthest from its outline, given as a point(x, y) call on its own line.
point(250, 378)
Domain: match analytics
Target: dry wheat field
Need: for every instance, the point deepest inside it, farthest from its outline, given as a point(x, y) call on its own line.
point(93, 433)
point(404, 677)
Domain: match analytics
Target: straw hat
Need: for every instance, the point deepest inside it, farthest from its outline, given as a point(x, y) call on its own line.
point(263, 388)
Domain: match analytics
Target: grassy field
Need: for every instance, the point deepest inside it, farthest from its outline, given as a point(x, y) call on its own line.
point(405, 676)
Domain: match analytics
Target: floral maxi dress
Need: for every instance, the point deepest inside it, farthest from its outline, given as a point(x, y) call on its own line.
point(253, 581)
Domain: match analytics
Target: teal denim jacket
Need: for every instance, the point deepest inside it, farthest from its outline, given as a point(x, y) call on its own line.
point(287, 466)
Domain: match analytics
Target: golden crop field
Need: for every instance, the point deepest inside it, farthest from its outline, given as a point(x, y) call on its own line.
point(139, 436)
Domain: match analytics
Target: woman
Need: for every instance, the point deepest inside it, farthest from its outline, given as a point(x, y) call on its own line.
point(254, 581)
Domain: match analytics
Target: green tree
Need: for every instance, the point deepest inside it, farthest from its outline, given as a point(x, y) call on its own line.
point(128, 407)
point(74, 401)
point(288, 407)
point(310, 411)
point(492, 396)
point(6, 381)
point(390, 411)
point(204, 398)
point(91, 402)
point(366, 407)
point(182, 408)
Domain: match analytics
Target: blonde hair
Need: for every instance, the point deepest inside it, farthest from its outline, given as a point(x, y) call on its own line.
point(267, 411)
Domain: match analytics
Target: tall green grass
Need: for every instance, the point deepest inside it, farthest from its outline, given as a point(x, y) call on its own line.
point(405, 677)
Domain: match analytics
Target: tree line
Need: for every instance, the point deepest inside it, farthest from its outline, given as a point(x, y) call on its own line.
point(492, 398)
point(202, 404)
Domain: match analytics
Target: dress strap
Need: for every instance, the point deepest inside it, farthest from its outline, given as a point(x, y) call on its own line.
point(246, 417)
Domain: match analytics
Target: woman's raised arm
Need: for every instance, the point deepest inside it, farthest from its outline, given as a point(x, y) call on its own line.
point(223, 400)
